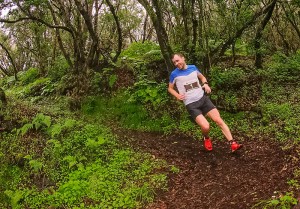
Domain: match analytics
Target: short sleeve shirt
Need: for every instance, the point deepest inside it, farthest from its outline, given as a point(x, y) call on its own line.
point(187, 83)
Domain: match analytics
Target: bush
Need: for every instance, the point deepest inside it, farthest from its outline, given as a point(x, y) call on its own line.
point(232, 78)
point(29, 76)
point(138, 50)
point(59, 68)
point(282, 69)
point(83, 160)
point(38, 87)
point(153, 56)
point(149, 92)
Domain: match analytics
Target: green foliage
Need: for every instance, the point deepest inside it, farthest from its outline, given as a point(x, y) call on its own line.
point(85, 162)
point(36, 165)
point(24, 129)
point(58, 69)
point(140, 50)
point(48, 88)
point(38, 122)
point(174, 169)
point(273, 111)
point(14, 197)
point(104, 81)
point(281, 120)
point(28, 76)
point(10, 177)
point(129, 114)
point(272, 92)
point(152, 56)
point(228, 85)
point(113, 184)
point(40, 86)
point(286, 201)
point(142, 58)
point(112, 80)
point(294, 183)
point(227, 78)
point(145, 92)
point(282, 69)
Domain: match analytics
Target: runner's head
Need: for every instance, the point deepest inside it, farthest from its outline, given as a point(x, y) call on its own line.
point(179, 61)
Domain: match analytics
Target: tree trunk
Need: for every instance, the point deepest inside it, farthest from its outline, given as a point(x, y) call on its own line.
point(185, 18)
point(291, 18)
point(119, 30)
point(194, 35)
point(11, 61)
point(162, 37)
point(145, 28)
point(3, 97)
point(233, 54)
point(258, 36)
point(224, 46)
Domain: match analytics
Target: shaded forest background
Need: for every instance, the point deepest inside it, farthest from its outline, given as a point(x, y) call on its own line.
point(70, 69)
point(91, 35)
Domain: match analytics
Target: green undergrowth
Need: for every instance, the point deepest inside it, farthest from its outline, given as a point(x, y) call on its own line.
point(129, 114)
point(54, 160)
point(64, 162)
point(253, 102)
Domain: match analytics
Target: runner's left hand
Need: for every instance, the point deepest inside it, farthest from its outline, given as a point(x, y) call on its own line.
point(206, 88)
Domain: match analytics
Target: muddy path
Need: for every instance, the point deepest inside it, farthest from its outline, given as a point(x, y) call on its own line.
point(217, 179)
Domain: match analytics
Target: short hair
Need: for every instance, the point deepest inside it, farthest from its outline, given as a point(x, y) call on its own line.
point(177, 53)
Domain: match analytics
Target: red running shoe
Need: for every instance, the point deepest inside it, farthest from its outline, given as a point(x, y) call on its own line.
point(235, 146)
point(208, 144)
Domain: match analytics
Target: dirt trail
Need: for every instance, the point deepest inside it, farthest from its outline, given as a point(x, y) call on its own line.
point(217, 179)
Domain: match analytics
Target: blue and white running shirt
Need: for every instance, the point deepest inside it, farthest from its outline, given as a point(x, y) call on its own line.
point(187, 83)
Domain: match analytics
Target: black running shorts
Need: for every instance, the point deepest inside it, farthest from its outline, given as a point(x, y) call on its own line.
point(202, 106)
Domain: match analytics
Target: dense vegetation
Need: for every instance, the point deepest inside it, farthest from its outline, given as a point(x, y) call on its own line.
point(52, 156)
point(78, 70)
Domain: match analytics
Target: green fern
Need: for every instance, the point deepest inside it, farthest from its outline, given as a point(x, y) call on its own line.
point(69, 123)
point(36, 165)
point(40, 119)
point(71, 160)
point(55, 130)
point(25, 128)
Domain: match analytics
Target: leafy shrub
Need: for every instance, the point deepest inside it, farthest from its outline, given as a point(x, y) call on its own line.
point(10, 177)
point(152, 56)
point(38, 122)
point(229, 78)
point(274, 111)
point(128, 113)
point(96, 169)
point(282, 69)
point(85, 163)
point(281, 120)
point(145, 91)
point(138, 50)
point(104, 81)
point(120, 184)
point(58, 69)
point(29, 76)
point(286, 201)
point(227, 99)
point(36, 88)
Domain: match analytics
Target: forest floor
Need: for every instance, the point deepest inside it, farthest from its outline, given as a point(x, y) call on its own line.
point(218, 179)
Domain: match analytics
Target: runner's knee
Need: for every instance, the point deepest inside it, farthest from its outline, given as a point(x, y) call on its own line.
point(220, 122)
point(205, 127)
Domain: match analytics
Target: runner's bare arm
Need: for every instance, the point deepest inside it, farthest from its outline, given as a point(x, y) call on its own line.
point(205, 85)
point(172, 91)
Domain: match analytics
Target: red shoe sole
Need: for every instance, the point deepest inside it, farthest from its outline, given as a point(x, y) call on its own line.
point(237, 148)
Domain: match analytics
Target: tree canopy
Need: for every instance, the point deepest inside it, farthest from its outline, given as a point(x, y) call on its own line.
point(91, 35)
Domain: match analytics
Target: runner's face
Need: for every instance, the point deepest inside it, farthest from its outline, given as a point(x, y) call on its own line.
point(179, 62)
